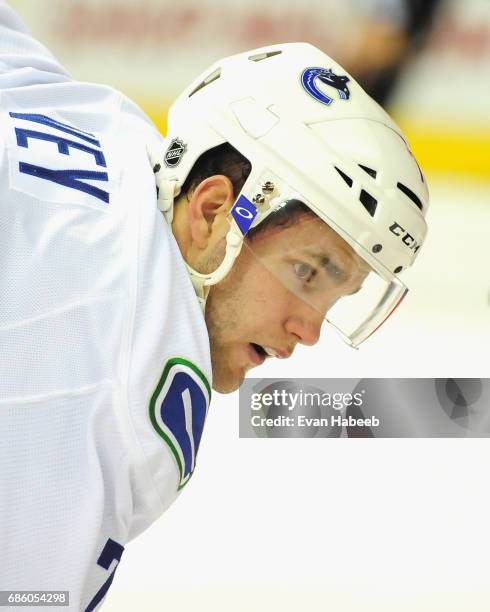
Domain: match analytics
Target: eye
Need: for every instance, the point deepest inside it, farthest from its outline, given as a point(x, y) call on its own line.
point(304, 271)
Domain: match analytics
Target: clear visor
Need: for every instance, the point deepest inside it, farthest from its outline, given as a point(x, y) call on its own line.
point(317, 275)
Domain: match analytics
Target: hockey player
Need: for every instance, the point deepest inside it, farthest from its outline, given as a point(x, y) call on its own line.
point(138, 272)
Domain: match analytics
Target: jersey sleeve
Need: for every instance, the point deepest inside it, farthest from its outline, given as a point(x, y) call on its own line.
point(24, 60)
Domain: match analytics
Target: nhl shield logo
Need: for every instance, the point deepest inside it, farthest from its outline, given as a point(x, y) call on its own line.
point(174, 153)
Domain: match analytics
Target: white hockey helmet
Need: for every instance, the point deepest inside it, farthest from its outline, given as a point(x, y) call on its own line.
point(311, 134)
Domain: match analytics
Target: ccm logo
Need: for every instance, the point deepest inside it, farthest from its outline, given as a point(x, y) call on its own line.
point(407, 239)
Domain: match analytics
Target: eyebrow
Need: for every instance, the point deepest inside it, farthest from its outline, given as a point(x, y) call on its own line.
point(332, 269)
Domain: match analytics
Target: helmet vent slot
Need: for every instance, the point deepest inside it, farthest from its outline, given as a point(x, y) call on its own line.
point(262, 56)
point(368, 202)
point(410, 194)
point(370, 171)
point(209, 79)
point(346, 178)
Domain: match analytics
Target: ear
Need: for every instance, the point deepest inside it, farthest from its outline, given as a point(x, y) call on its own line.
point(209, 204)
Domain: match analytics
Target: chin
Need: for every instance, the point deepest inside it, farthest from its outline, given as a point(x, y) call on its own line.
point(226, 385)
point(226, 380)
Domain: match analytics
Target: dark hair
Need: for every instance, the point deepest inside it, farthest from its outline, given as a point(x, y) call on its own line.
point(223, 159)
point(284, 216)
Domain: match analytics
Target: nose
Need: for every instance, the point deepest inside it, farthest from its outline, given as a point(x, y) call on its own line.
point(306, 326)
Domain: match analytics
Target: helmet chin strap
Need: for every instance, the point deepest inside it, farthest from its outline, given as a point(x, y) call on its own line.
point(168, 189)
point(203, 282)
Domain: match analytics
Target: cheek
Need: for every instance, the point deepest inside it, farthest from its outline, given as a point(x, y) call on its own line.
point(271, 300)
point(250, 299)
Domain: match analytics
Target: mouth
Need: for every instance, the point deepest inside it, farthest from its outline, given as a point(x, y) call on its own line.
point(257, 353)
point(260, 353)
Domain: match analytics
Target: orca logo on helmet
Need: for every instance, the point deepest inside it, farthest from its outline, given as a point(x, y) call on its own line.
point(309, 80)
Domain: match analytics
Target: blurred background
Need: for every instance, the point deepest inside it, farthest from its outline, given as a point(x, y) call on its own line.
point(328, 524)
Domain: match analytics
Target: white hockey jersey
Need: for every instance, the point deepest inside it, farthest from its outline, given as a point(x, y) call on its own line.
point(104, 355)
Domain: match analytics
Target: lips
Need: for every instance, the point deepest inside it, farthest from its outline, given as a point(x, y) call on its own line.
point(260, 353)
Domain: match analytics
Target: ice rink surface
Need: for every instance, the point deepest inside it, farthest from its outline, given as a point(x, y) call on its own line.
point(344, 525)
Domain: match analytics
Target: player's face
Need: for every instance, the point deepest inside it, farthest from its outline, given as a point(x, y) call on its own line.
point(251, 312)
